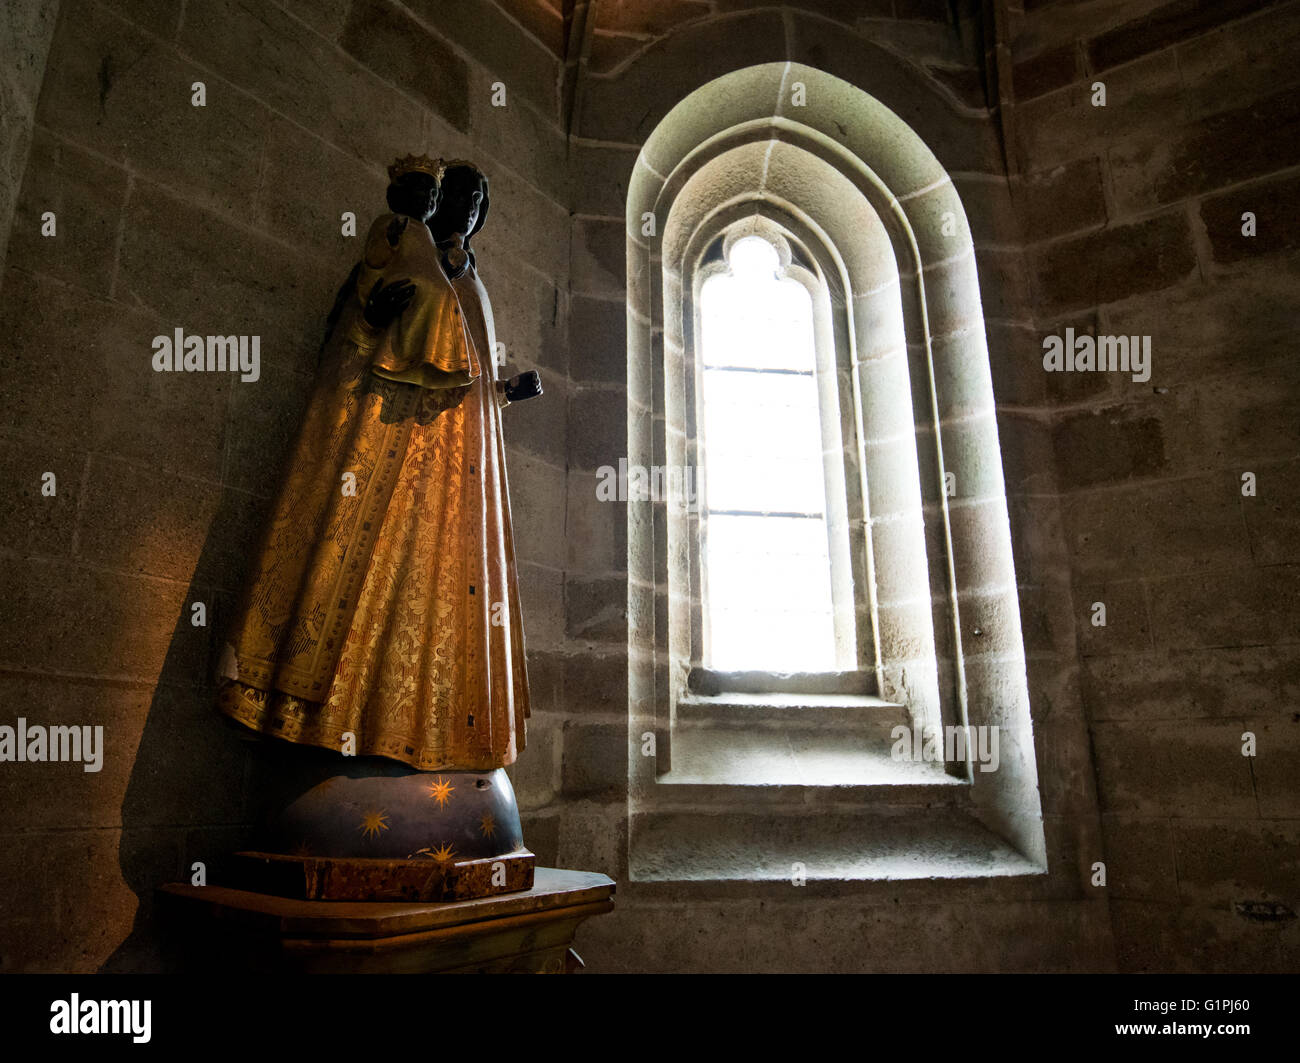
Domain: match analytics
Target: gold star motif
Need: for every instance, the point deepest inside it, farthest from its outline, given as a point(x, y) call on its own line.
point(488, 825)
point(440, 790)
point(443, 854)
point(374, 822)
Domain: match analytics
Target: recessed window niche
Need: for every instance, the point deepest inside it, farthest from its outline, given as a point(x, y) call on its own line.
point(903, 508)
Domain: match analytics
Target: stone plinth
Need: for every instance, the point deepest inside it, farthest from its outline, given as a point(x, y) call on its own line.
point(531, 931)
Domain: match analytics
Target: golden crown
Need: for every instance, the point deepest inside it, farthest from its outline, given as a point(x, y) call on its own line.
point(416, 164)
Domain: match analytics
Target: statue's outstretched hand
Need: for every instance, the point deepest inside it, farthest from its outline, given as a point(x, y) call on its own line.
point(524, 386)
point(386, 301)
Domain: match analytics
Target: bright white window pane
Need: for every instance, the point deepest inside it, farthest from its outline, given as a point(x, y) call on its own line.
point(768, 563)
point(752, 318)
point(765, 487)
point(767, 578)
point(751, 395)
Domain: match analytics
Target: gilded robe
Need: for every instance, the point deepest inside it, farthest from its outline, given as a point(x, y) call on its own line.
point(385, 603)
point(481, 327)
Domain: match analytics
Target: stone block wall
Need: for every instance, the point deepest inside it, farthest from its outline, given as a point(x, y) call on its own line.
point(1132, 218)
point(26, 28)
point(224, 218)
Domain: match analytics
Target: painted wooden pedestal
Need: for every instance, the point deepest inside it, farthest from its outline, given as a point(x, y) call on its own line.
point(214, 928)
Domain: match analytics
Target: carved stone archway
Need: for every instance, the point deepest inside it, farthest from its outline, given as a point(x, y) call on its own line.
point(839, 171)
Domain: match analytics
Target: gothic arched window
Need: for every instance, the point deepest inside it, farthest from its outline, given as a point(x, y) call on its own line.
point(811, 603)
point(767, 534)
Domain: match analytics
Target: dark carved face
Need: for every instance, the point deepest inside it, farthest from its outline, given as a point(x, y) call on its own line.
point(414, 195)
point(462, 200)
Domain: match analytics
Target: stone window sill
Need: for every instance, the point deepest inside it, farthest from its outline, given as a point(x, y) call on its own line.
point(786, 739)
point(766, 786)
point(817, 845)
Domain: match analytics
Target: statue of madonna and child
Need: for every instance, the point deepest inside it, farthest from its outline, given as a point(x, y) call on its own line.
point(380, 621)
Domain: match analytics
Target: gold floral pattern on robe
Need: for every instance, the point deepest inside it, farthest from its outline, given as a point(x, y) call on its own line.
point(392, 613)
point(481, 326)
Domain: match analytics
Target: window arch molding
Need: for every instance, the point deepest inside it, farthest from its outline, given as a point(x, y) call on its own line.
point(856, 185)
point(899, 607)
